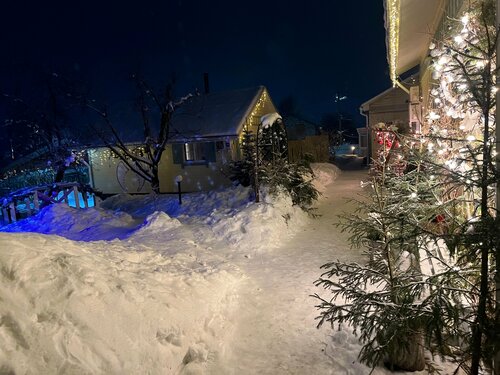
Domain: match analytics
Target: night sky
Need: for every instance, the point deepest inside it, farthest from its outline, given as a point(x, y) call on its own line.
point(308, 49)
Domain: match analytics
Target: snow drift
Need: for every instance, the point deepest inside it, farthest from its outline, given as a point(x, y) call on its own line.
point(72, 223)
point(72, 307)
point(140, 284)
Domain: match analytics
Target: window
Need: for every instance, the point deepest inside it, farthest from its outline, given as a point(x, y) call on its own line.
point(194, 152)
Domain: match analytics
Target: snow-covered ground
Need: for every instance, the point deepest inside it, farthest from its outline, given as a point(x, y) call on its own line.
point(141, 285)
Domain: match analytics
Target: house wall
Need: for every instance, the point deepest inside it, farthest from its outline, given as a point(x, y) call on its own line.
point(105, 168)
point(426, 83)
point(110, 176)
point(389, 108)
point(362, 141)
point(263, 107)
point(195, 177)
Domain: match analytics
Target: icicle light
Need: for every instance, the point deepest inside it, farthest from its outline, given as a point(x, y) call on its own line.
point(392, 17)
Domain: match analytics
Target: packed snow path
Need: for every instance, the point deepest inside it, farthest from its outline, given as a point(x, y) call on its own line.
point(275, 329)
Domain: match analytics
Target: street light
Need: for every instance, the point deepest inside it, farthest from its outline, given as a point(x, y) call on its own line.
point(338, 99)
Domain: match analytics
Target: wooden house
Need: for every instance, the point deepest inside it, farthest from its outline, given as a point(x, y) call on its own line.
point(389, 107)
point(411, 26)
point(205, 135)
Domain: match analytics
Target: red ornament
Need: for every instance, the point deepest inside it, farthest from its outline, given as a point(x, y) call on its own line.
point(439, 218)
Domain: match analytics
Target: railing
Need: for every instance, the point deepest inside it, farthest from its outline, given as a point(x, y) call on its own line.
point(27, 202)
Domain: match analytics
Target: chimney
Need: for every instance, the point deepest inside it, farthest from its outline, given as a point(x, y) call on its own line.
point(205, 81)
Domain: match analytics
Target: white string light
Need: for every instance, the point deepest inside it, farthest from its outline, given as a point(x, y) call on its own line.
point(393, 14)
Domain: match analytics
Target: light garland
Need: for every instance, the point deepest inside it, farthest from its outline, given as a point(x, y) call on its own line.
point(451, 94)
point(256, 113)
point(392, 15)
point(259, 106)
point(455, 122)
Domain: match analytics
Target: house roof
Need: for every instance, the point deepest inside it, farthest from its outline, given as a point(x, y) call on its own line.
point(365, 106)
point(362, 131)
point(291, 121)
point(215, 114)
point(298, 128)
point(408, 82)
point(414, 24)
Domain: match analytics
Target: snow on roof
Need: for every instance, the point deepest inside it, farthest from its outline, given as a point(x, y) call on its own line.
point(214, 114)
point(269, 119)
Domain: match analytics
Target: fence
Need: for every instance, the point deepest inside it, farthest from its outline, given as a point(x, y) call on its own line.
point(316, 145)
point(26, 202)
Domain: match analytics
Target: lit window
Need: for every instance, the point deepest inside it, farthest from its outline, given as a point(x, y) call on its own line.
point(194, 153)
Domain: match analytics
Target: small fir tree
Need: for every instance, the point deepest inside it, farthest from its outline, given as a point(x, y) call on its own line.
point(265, 162)
point(462, 125)
point(295, 179)
point(243, 171)
point(276, 172)
point(410, 295)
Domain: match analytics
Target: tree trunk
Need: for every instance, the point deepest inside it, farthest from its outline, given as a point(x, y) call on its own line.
point(155, 180)
point(61, 169)
point(408, 354)
point(496, 343)
point(481, 317)
point(496, 338)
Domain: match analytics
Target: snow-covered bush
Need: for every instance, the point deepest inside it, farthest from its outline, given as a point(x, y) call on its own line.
point(296, 180)
point(262, 165)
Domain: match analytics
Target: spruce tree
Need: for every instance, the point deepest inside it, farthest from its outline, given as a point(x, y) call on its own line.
point(431, 233)
point(265, 162)
point(408, 296)
point(243, 170)
point(278, 174)
point(463, 122)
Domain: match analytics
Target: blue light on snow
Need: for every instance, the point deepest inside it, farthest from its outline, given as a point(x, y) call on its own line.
point(72, 201)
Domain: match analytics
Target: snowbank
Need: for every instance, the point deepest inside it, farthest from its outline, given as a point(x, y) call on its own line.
point(159, 221)
point(154, 289)
point(230, 214)
point(259, 227)
point(72, 223)
point(101, 307)
point(193, 204)
point(269, 119)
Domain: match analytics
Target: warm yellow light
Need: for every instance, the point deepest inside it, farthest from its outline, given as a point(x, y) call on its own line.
point(393, 13)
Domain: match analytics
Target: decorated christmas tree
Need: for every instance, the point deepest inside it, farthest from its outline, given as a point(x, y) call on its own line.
point(428, 222)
